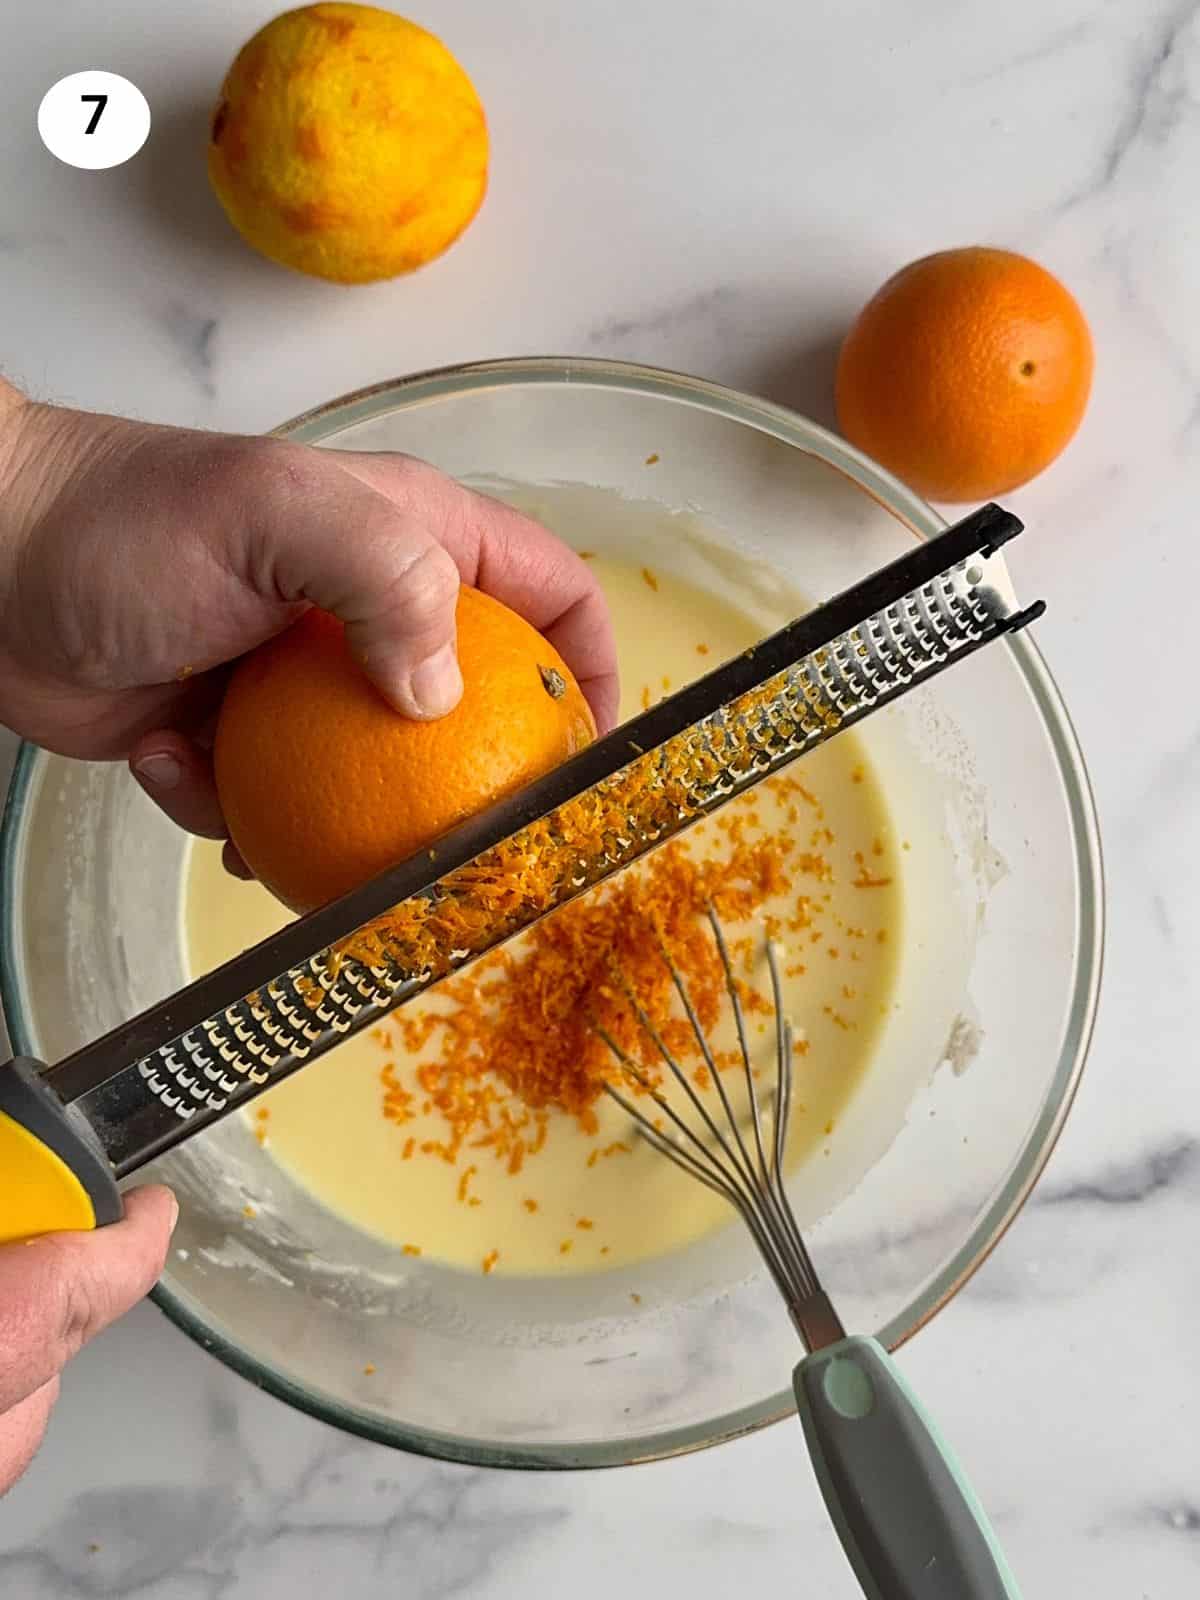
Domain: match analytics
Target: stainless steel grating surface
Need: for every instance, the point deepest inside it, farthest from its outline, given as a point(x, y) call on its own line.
point(148, 1101)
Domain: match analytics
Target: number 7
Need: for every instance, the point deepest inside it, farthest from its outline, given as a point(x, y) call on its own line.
point(100, 101)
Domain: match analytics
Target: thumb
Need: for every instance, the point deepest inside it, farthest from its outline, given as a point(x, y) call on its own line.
point(377, 567)
point(22, 1430)
point(58, 1291)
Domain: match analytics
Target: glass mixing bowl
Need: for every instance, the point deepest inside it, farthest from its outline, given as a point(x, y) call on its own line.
point(937, 1153)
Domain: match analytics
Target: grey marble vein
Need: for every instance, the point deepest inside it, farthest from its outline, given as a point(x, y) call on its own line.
point(1130, 1183)
point(713, 1532)
point(115, 1541)
point(1179, 1518)
point(1156, 99)
point(664, 319)
point(440, 1530)
point(444, 1531)
point(1172, 780)
point(193, 335)
point(1162, 917)
point(1056, 43)
point(1170, 343)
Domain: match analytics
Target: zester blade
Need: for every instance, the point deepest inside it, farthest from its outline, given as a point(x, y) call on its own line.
point(209, 1049)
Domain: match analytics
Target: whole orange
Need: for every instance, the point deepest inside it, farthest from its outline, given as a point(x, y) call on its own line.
point(966, 374)
point(348, 142)
point(324, 785)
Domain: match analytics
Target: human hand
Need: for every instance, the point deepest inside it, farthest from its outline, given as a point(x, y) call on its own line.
point(56, 1293)
point(137, 562)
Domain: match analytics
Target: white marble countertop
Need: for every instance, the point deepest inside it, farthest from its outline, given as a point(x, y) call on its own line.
point(712, 188)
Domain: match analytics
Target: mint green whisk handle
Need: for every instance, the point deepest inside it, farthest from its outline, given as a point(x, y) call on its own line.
point(907, 1517)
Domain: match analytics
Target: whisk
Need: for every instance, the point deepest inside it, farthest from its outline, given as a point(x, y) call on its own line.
point(907, 1518)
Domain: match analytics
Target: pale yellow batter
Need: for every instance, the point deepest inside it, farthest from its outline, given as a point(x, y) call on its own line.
point(585, 1202)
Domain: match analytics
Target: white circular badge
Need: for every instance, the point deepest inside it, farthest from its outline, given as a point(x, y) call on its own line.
point(94, 119)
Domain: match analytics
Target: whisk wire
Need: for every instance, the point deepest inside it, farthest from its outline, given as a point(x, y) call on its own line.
point(784, 1062)
point(774, 1195)
point(712, 1179)
point(741, 1158)
point(735, 1183)
point(747, 1174)
point(739, 1020)
point(701, 1166)
point(735, 1186)
point(682, 1078)
point(764, 1196)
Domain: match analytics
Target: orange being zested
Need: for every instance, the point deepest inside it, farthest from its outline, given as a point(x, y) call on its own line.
point(966, 374)
point(324, 785)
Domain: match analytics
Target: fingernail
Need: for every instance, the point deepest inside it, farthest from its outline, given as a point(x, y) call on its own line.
point(174, 1213)
point(160, 771)
point(436, 683)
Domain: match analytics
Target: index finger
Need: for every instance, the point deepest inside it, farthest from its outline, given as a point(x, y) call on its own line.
point(57, 1292)
point(513, 558)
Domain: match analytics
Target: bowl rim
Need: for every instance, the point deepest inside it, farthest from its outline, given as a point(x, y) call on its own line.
point(789, 427)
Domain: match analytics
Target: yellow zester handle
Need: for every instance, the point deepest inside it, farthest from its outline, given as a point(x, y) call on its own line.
point(39, 1192)
point(53, 1175)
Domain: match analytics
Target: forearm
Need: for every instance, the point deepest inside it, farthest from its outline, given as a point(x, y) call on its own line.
point(16, 416)
point(42, 448)
point(12, 407)
point(10, 397)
